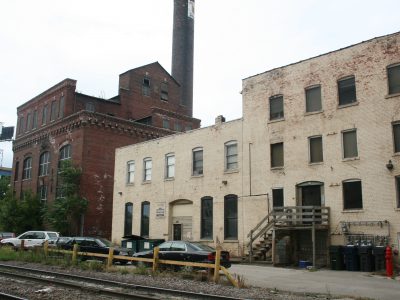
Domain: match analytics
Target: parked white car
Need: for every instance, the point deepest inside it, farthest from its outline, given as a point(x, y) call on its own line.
point(31, 239)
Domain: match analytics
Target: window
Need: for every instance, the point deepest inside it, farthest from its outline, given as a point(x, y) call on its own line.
point(61, 108)
point(178, 127)
point(27, 168)
point(165, 123)
point(130, 172)
point(170, 166)
point(197, 161)
point(276, 107)
point(44, 115)
point(28, 122)
point(44, 163)
point(21, 125)
point(53, 112)
point(313, 99)
point(277, 155)
point(398, 190)
point(231, 156)
point(206, 218)
point(145, 220)
point(128, 218)
point(147, 164)
point(394, 79)
point(277, 197)
point(347, 91)
point(164, 91)
point(352, 194)
point(89, 106)
point(230, 217)
point(396, 137)
point(146, 87)
point(35, 119)
point(16, 171)
point(43, 193)
point(350, 144)
point(316, 153)
point(65, 153)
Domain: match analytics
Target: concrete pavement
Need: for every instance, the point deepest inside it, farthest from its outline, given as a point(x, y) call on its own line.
point(345, 283)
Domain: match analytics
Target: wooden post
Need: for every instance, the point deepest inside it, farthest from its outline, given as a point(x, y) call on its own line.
point(74, 253)
point(46, 248)
point(110, 257)
point(217, 265)
point(313, 243)
point(22, 247)
point(155, 258)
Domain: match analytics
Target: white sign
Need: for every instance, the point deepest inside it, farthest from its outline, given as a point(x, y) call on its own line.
point(160, 210)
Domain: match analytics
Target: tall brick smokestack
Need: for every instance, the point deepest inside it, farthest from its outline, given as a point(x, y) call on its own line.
point(182, 50)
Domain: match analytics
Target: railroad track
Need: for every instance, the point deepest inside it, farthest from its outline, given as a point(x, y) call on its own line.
point(114, 289)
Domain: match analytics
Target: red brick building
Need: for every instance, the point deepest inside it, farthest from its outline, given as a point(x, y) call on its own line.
point(61, 123)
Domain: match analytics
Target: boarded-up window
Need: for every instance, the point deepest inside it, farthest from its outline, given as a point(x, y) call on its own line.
point(277, 155)
point(347, 91)
point(313, 99)
point(396, 137)
point(164, 91)
point(277, 197)
point(350, 144)
point(394, 79)
point(316, 153)
point(276, 107)
point(146, 87)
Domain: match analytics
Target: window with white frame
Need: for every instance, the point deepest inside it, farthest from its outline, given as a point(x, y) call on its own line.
point(352, 194)
point(394, 79)
point(315, 146)
point(313, 99)
point(347, 90)
point(170, 165)
point(350, 149)
point(43, 193)
point(147, 165)
point(231, 156)
point(130, 177)
point(27, 168)
point(276, 107)
point(64, 155)
point(197, 161)
point(44, 163)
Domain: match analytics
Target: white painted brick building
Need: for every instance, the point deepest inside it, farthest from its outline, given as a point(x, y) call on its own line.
point(322, 132)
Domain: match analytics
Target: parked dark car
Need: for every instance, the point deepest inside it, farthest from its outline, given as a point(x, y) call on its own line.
point(95, 245)
point(187, 251)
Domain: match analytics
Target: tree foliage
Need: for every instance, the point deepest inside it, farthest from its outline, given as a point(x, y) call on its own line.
point(64, 214)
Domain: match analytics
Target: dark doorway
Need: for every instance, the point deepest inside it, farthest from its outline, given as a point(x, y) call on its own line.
point(177, 232)
point(311, 195)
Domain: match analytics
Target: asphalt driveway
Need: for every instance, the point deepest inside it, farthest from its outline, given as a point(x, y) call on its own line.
point(356, 284)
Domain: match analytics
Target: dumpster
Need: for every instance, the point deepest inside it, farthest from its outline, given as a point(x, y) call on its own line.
point(148, 244)
point(131, 242)
point(351, 258)
point(336, 257)
point(379, 257)
point(367, 263)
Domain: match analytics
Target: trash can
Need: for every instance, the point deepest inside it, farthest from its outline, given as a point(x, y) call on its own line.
point(336, 257)
point(149, 244)
point(367, 263)
point(351, 258)
point(131, 242)
point(379, 257)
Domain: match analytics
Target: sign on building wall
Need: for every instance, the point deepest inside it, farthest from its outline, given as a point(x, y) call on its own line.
point(160, 210)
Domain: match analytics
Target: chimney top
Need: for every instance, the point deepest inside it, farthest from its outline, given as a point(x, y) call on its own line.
point(219, 120)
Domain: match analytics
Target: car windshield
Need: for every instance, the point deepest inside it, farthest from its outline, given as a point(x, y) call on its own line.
point(52, 235)
point(105, 242)
point(202, 247)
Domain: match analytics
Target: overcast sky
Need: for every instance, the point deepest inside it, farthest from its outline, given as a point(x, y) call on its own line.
point(43, 42)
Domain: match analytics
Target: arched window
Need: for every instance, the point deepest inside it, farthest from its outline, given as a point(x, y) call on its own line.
point(44, 163)
point(65, 154)
point(231, 217)
point(145, 219)
point(27, 168)
point(128, 218)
